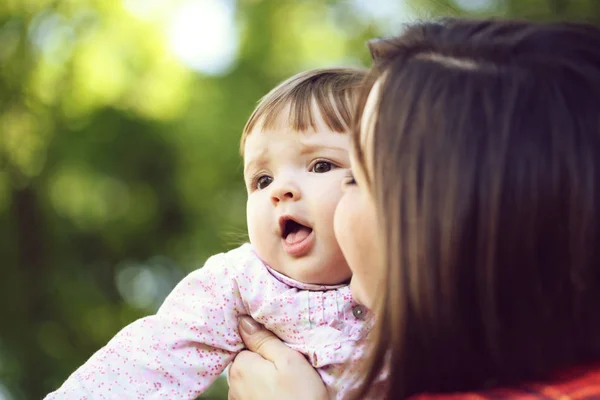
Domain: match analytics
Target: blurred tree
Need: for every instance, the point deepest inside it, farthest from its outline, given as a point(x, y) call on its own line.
point(119, 164)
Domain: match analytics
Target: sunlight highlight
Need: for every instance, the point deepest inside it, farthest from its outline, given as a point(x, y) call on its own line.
point(203, 35)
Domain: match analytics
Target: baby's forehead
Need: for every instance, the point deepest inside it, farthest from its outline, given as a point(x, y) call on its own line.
point(260, 141)
point(281, 142)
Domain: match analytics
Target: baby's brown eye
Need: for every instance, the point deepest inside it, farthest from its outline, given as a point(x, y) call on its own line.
point(322, 166)
point(263, 182)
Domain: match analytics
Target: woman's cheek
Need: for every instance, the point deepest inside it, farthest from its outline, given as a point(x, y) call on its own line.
point(357, 234)
point(349, 233)
point(342, 228)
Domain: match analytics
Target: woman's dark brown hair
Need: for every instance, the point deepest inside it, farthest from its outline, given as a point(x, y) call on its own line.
point(486, 174)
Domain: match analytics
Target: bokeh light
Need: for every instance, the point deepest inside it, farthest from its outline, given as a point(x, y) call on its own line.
point(203, 34)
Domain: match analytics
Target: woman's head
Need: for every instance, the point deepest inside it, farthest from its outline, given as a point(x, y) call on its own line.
point(480, 148)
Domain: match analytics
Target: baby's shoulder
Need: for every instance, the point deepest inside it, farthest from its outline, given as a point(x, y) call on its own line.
point(241, 260)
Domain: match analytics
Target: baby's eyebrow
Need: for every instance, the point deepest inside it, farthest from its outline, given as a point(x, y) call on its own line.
point(313, 148)
point(256, 163)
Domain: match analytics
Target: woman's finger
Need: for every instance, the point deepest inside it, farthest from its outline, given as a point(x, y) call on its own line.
point(247, 360)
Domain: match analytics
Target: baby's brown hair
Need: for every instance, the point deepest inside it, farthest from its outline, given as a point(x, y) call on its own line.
point(332, 90)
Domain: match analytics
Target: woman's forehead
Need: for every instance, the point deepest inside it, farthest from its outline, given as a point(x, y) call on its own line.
point(368, 119)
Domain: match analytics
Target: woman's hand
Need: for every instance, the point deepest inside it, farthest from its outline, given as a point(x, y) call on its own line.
point(271, 370)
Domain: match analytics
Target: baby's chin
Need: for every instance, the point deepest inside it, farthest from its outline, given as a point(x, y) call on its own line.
point(322, 275)
point(307, 269)
point(303, 271)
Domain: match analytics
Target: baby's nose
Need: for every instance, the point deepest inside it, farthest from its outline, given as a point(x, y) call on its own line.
point(284, 191)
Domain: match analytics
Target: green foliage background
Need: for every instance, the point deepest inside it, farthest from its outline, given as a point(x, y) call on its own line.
point(119, 165)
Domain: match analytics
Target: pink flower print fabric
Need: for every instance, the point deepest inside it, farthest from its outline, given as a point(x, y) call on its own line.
point(179, 352)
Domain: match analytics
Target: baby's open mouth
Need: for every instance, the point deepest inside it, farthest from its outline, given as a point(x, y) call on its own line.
point(293, 231)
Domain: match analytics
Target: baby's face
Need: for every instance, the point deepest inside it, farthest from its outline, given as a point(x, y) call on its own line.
point(294, 181)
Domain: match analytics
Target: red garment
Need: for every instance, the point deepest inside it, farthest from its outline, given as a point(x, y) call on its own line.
point(579, 384)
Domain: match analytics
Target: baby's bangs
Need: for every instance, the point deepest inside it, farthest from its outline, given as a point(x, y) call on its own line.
point(307, 105)
point(333, 109)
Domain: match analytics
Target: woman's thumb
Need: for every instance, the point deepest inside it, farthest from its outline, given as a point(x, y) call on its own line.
point(259, 340)
point(248, 326)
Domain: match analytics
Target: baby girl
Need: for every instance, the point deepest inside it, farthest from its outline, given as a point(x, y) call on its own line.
point(292, 277)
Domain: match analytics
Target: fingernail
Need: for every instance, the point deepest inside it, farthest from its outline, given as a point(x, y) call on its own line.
point(248, 325)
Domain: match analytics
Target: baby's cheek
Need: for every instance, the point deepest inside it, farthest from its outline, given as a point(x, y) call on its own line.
point(331, 195)
point(256, 224)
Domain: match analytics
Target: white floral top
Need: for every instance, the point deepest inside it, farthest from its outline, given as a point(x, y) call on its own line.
point(180, 351)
